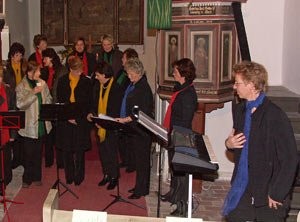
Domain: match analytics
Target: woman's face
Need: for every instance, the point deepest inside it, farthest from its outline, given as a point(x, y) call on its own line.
point(133, 76)
point(47, 61)
point(79, 46)
point(177, 76)
point(107, 45)
point(124, 59)
point(16, 58)
point(76, 72)
point(34, 75)
point(100, 77)
point(43, 45)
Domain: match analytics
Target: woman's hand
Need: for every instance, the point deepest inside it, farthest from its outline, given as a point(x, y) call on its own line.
point(235, 141)
point(89, 117)
point(37, 89)
point(73, 121)
point(124, 120)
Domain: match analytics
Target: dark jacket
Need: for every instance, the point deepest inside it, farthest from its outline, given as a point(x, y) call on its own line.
point(69, 136)
point(184, 106)
point(116, 60)
point(59, 72)
point(114, 100)
point(272, 152)
point(9, 76)
point(142, 97)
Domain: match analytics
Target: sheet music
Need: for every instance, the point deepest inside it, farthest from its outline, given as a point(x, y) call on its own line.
point(102, 116)
point(210, 150)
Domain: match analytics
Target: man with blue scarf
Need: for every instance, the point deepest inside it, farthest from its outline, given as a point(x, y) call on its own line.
point(265, 152)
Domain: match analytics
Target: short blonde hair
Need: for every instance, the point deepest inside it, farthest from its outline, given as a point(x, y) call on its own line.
point(252, 72)
point(107, 37)
point(75, 63)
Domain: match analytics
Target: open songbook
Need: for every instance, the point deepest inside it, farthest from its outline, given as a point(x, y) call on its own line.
point(109, 123)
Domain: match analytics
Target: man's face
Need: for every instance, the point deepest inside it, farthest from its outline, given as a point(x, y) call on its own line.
point(79, 47)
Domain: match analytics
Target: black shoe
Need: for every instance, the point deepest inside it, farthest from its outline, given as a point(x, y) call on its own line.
point(181, 209)
point(134, 196)
point(69, 181)
point(104, 181)
point(131, 190)
point(113, 183)
point(165, 197)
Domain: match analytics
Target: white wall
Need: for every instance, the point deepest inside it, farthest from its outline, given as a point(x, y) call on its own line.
point(17, 20)
point(264, 27)
point(291, 46)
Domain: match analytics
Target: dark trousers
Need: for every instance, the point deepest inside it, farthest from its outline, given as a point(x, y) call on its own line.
point(108, 154)
point(142, 150)
point(126, 152)
point(17, 151)
point(245, 211)
point(49, 150)
point(74, 165)
point(32, 160)
point(6, 162)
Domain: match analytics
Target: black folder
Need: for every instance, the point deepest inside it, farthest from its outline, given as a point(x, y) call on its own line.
point(109, 124)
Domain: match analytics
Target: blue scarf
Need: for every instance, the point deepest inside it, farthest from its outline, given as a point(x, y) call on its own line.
point(241, 179)
point(123, 106)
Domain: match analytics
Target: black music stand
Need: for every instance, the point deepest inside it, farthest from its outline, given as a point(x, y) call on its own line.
point(57, 112)
point(9, 120)
point(158, 130)
point(109, 124)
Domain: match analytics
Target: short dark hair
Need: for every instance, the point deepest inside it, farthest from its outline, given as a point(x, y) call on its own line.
point(15, 48)
point(50, 52)
point(130, 53)
point(104, 68)
point(186, 68)
point(38, 38)
point(77, 40)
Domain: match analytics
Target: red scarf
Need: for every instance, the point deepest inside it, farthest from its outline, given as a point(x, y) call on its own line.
point(85, 65)
point(3, 108)
point(50, 77)
point(167, 120)
point(38, 58)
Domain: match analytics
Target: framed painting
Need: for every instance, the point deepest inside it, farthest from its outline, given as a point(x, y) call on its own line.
point(226, 55)
point(228, 52)
point(130, 16)
point(172, 50)
point(94, 18)
point(53, 21)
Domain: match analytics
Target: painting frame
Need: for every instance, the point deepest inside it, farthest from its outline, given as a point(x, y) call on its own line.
point(201, 43)
point(226, 55)
point(53, 21)
point(171, 50)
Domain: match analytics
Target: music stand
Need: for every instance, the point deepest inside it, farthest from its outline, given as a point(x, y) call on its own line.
point(158, 130)
point(109, 124)
point(9, 120)
point(56, 112)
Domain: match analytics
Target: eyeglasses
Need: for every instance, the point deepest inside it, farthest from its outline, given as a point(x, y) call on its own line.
point(238, 83)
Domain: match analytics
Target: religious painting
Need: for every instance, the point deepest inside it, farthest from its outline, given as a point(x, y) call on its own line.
point(52, 15)
point(130, 21)
point(172, 50)
point(63, 21)
point(201, 54)
point(226, 55)
point(94, 18)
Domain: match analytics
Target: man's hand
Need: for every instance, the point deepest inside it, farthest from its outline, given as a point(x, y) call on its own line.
point(273, 204)
point(235, 141)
